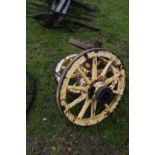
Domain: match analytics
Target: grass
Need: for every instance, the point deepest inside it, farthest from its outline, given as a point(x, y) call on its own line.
point(45, 47)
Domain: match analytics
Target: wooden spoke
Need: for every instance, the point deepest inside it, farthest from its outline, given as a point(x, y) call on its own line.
point(83, 75)
point(78, 88)
point(104, 72)
point(114, 70)
point(87, 65)
point(94, 69)
point(76, 101)
point(93, 109)
point(84, 108)
point(83, 69)
point(99, 62)
point(112, 86)
point(110, 80)
point(117, 92)
point(76, 74)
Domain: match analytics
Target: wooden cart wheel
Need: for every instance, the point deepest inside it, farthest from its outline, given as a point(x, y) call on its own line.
point(104, 77)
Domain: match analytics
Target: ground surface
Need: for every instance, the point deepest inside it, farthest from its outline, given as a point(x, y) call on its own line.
point(47, 131)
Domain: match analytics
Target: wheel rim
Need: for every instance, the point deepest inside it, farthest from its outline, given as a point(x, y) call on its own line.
point(99, 69)
point(61, 66)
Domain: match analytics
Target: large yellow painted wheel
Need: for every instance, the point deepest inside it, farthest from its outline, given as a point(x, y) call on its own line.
point(103, 77)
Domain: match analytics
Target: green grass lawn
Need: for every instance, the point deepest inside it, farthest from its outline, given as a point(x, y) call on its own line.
point(45, 47)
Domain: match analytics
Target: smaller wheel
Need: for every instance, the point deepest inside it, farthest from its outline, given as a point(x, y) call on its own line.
point(103, 77)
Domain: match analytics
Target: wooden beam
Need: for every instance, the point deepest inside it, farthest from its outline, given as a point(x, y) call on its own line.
point(76, 101)
point(84, 108)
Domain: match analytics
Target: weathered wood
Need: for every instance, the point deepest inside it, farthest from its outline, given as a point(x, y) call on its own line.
point(76, 101)
point(94, 69)
point(83, 75)
point(78, 66)
point(110, 80)
point(93, 109)
point(84, 108)
point(82, 45)
point(104, 72)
